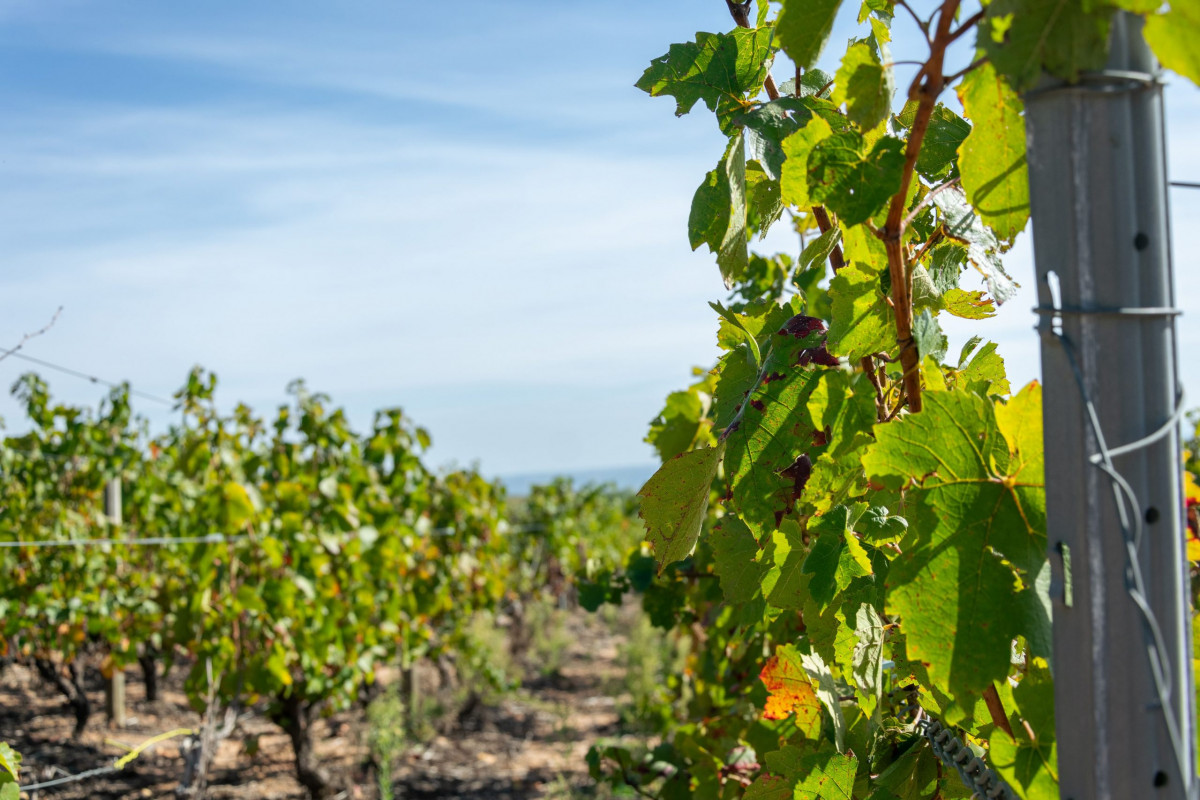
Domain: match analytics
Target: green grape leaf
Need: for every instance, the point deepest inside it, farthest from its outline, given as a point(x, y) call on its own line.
point(10, 761)
point(977, 504)
point(720, 69)
point(924, 291)
point(787, 761)
point(796, 148)
point(738, 371)
point(843, 406)
point(864, 84)
point(862, 318)
point(735, 552)
point(867, 658)
point(836, 557)
point(1136, 6)
point(236, 506)
point(1024, 37)
point(718, 215)
point(785, 584)
point(939, 149)
point(1020, 420)
point(1030, 765)
point(986, 366)
point(764, 206)
point(946, 262)
point(1173, 35)
point(827, 776)
point(850, 180)
point(827, 692)
point(736, 375)
point(768, 125)
point(733, 330)
point(770, 787)
point(983, 249)
point(818, 250)
point(968, 305)
point(813, 83)
point(912, 776)
point(768, 462)
point(861, 245)
point(928, 335)
point(880, 527)
point(991, 159)
point(675, 429)
point(674, 502)
point(803, 28)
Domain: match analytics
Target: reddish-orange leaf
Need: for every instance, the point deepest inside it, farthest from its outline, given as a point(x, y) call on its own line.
point(790, 688)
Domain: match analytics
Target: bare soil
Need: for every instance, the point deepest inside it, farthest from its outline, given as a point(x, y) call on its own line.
point(528, 744)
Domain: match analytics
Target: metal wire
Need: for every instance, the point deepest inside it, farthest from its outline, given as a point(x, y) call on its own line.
point(1129, 515)
point(74, 373)
point(82, 776)
point(215, 538)
point(149, 541)
point(116, 766)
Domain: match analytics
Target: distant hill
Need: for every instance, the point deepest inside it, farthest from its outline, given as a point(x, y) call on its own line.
point(631, 477)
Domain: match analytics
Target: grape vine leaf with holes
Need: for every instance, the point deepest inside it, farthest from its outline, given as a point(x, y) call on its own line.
point(718, 69)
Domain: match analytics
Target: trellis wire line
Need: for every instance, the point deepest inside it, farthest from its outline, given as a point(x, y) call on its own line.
point(1130, 523)
point(149, 541)
point(1185, 184)
point(116, 766)
point(212, 538)
point(83, 375)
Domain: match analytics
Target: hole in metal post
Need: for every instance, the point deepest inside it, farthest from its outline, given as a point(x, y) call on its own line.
point(1054, 287)
point(1141, 241)
point(1064, 589)
point(1160, 778)
point(1152, 515)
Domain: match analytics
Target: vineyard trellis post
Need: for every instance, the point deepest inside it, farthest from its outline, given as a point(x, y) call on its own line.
point(1122, 651)
point(114, 687)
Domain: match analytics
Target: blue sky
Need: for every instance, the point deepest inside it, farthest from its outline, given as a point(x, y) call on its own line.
point(462, 209)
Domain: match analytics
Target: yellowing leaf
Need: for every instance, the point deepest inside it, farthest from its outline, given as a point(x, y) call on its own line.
point(1173, 37)
point(968, 305)
point(674, 502)
point(791, 691)
point(992, 157)
point(864, 84)
point(236, 508)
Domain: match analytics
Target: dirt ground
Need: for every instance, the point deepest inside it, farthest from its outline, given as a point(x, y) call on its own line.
point(529, 743)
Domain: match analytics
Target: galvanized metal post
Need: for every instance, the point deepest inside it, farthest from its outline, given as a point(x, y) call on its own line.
point(1098, 193)
point(114, 687)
